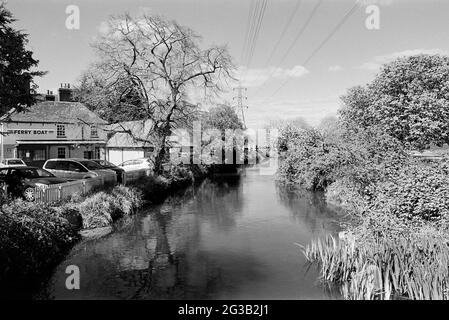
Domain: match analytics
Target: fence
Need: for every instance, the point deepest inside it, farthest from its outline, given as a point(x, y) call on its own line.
point(61, 191)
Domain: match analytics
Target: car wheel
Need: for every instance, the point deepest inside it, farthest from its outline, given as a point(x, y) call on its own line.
point(29, 194)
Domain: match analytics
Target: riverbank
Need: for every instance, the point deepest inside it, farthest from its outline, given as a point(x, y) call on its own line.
point(35, 237)
point(226, 237)
point(369, 159)
point(397, 245)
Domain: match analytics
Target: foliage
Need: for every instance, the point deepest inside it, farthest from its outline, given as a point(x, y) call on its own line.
point(317, 158)
point(417, 190)
point(221, 117)
point(385, 258)
point(101, 209)
point(32, 238)
point(16, 79)
point(408, 99)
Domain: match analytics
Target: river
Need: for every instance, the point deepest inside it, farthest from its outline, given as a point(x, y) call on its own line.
point(232, 237)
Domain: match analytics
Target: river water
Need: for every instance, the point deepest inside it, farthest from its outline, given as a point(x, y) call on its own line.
point(233, 237)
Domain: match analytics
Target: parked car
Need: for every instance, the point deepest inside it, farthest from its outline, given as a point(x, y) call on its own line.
point(78, 169)
point(107, 165)
point(21, 181)
point(137, 164)
point(12, 162)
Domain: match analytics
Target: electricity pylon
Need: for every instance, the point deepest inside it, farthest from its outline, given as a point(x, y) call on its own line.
point(241, 97)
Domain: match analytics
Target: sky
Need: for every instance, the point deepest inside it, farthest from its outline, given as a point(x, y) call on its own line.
point(312, 64)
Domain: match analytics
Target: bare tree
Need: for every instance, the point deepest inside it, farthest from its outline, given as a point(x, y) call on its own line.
point(157, 63)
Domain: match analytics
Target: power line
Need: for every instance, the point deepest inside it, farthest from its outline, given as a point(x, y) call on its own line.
point(301, 31)
point(248, 24)
point(255, 10)
point(321, 45)
point(284, 31)
point(257, 31)
point(292, 45)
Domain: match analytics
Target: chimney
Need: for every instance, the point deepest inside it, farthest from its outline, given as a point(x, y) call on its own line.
point(50, 96)
point(65, 92)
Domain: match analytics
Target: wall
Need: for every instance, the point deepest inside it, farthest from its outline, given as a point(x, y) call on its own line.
point(47, 131)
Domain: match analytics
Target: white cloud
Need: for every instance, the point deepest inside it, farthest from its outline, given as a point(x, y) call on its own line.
point(378, 61)
point(262, 111)
point(257, 77)
point(335, 68)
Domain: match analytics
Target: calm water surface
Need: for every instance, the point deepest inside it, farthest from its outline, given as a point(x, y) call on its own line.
point(228, 238)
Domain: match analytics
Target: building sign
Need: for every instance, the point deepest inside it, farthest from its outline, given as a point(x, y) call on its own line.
point(31, 131)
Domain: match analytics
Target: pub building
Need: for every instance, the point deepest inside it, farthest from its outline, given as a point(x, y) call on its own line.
point(55, 127)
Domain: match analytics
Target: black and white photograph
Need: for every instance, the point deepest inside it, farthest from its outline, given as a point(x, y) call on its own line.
point(224, 154)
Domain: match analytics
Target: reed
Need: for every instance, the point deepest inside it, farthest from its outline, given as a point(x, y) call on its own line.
point(381, 267)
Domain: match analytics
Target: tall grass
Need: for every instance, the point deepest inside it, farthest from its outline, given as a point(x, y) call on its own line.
point(384, 267)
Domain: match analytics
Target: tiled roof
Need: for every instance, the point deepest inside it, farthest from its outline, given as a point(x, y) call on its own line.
point(56, 111)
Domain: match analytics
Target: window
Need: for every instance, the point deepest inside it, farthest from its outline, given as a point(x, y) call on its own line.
point(93, 132)
point(127, 163)
point(97, 153)
point(61, 153)
point(76, 167)
point(39, 154)
point(62, 165)
point(60, 131)
point(50, 165)
point(91, 165)
point(87, 155)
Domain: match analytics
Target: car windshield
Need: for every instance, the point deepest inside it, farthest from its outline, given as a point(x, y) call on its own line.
point(35, 173)
point(15, 161)
point(91, 165)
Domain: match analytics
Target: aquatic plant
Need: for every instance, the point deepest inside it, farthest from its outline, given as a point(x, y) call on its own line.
point(384, 265)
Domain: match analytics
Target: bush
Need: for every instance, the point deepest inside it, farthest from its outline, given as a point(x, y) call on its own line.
point(32, 238)
point(315, 159)
point(417, 191)
point(156, 188)
point(97, 210)
point(101, 208)
point(128, 199)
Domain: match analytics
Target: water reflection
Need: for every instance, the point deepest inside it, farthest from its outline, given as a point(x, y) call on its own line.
point(229, 238)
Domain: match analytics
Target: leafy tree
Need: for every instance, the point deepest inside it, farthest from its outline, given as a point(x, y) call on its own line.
point(159, 63)
point(408, 99)
point(222, 117)
point(16, 79)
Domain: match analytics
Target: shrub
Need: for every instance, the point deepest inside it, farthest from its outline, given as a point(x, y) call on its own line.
point(316, 159)
point(417, 191)
point(98, 210)
point(128, 199)
point(32, 238)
